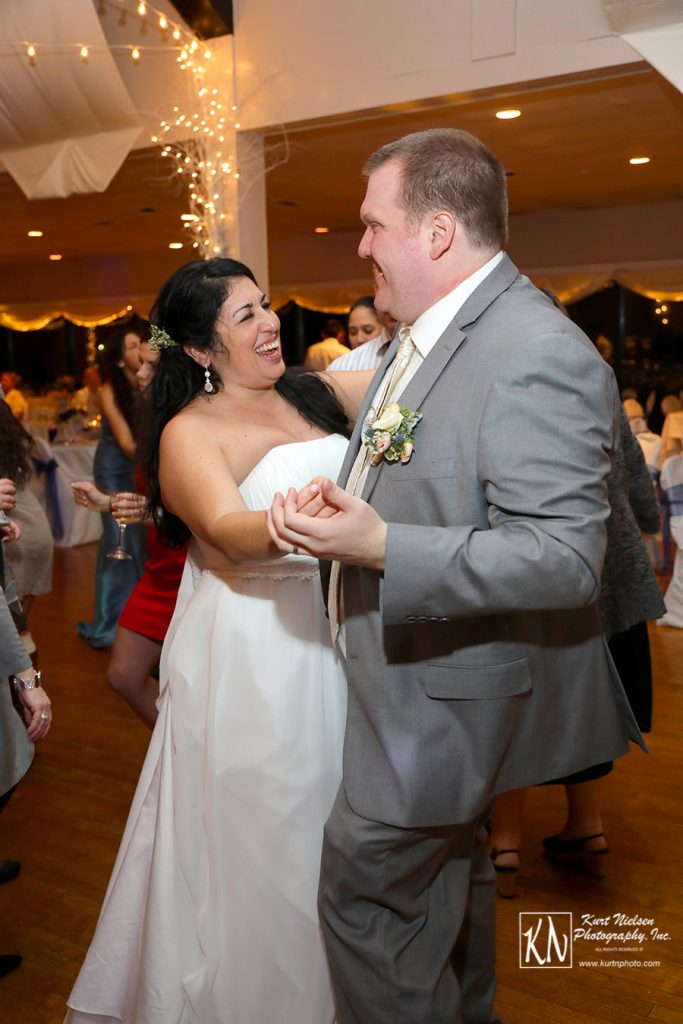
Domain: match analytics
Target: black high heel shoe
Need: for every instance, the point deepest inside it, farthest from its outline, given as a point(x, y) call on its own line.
point(9, 870)
point(8, 963)
point(506, 874)
point(574, 852)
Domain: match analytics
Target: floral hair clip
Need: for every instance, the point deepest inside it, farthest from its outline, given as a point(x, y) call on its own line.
point(159, 338)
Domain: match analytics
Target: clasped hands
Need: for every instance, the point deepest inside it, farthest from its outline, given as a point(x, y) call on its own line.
point(327, 522)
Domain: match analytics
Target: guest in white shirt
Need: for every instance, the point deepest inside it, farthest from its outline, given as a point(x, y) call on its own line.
point(367, 335)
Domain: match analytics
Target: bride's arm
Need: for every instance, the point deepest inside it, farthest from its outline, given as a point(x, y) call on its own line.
point(198, 487)
point(349, 387)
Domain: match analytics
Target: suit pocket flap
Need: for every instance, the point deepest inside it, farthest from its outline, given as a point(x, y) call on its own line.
point(423, 468)
point(483, 682)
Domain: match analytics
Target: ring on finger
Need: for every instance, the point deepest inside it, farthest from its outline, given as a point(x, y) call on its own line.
point(295, 550)
point(44, 716)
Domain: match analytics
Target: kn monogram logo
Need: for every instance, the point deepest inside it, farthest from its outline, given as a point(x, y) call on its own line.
point(545, 939)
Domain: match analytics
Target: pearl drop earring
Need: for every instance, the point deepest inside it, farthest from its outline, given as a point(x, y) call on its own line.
point(208, 386)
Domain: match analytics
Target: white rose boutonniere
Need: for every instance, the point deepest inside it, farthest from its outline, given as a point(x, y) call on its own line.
point(390, 435)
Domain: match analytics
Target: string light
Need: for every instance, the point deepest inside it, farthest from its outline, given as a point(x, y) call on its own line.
point(141, 9)
point(201, 161)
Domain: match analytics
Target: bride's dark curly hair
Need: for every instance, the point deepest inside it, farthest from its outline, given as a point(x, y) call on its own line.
point(187, 308)
point(16, 448)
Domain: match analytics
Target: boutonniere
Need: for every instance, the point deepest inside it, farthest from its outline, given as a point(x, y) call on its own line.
point(390, 435)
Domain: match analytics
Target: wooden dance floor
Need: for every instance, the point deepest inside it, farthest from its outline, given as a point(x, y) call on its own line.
point(66, 818)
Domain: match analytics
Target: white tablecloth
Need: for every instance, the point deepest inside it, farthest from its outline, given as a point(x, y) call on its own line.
point(74, 462)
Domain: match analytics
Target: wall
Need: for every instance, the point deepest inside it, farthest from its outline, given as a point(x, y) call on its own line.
point(301, 60)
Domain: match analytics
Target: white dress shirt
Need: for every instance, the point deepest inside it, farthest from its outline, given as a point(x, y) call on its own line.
point(365, 357)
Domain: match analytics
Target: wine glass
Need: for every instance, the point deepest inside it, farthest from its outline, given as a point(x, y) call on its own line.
point(119, 552)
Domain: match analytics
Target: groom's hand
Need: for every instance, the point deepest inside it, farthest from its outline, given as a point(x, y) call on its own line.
point(350, 531)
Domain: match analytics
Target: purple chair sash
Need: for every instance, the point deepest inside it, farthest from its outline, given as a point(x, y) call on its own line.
point(49, 468)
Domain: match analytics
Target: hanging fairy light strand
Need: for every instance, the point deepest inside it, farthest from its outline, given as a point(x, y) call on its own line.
point(201, 142)
point(173, 37)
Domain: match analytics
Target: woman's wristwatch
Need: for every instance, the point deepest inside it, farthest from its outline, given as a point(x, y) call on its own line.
point(27, 684)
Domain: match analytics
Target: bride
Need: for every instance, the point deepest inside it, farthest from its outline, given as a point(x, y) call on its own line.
point(210, 915)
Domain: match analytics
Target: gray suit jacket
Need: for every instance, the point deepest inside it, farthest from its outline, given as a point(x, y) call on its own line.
point(16, 750)
point(476, 662)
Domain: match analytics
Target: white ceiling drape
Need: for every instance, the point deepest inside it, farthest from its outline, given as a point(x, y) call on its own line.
point(63, 128)
point(654, 28)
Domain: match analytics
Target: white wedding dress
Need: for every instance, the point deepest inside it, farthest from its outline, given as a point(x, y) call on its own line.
point(210, 915)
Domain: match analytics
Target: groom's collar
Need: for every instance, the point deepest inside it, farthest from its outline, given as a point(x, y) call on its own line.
point(431, 324)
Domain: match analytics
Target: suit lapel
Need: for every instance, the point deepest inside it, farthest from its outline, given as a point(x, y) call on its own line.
point(355, 440)
point(419, 387)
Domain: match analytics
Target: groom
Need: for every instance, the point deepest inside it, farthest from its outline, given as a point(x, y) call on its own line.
point(474, 653)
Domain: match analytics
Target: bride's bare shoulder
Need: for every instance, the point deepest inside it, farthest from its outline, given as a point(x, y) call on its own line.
point(195, 420)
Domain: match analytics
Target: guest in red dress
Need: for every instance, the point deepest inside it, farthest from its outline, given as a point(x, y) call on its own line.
point(146, 616)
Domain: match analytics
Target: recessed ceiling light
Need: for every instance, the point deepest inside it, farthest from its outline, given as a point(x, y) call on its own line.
point(55, 256)
point(639, 160)
point(508, 115)
point(35, 234)
point(175, 245)
point(322, 231)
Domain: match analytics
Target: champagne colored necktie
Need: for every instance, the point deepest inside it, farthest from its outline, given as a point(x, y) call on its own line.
point(386, 394)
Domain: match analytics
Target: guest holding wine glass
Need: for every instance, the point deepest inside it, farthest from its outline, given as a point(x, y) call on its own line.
point(114, 469)
point(147, 614)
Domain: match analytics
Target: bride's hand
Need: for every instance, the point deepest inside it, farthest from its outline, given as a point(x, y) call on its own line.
point(310, 501)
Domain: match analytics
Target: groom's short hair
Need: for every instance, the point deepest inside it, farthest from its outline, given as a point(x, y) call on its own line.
point(449, 169)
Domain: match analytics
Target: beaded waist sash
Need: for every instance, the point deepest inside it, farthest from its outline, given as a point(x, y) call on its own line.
point(301, 567)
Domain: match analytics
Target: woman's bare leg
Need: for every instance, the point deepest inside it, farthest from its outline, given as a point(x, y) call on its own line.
point(132, 659)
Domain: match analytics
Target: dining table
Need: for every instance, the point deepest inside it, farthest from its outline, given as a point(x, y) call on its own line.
point(57, 466)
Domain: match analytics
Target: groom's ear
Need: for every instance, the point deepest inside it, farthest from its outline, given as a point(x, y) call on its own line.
point(442, 234)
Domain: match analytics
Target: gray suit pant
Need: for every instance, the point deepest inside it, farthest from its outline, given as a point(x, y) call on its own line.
point(408, 917)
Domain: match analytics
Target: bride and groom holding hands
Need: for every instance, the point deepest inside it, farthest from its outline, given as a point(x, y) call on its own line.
point(465, 568)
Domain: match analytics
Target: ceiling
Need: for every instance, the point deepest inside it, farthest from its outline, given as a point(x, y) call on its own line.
point(568, 150)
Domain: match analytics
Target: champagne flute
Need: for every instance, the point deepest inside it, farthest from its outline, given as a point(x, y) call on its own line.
point(119, 551)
